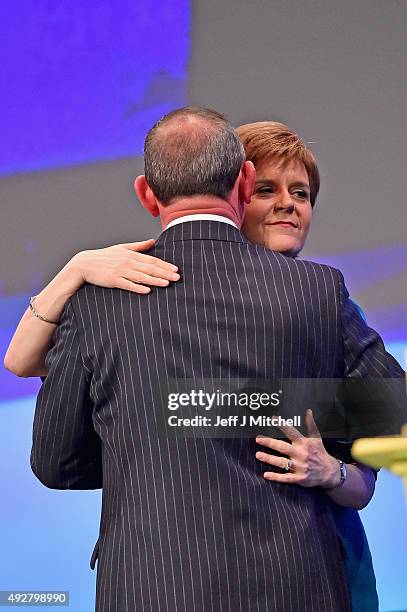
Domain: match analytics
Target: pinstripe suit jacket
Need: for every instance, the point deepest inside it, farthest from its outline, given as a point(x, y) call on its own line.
point(191, 525)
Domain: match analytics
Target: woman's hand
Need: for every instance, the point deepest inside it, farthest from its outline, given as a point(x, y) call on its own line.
point(124, 266)
point(311, 465)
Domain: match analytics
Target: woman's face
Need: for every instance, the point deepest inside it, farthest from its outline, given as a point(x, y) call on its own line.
point(280, 212)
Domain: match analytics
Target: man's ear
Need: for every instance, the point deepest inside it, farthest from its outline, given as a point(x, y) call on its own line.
point(146, 196)
point(247, 182)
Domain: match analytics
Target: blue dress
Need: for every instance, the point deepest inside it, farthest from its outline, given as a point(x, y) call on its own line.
point(358, 560)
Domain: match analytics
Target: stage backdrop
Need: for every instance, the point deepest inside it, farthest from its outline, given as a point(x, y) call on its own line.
point(81, 83)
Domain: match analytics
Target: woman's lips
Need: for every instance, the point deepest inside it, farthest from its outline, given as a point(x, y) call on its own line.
point(284, 224)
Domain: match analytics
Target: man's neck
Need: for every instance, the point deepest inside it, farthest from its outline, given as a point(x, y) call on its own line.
point(199, 206)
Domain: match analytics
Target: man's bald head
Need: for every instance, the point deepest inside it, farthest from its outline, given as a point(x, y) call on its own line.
point(192, 151)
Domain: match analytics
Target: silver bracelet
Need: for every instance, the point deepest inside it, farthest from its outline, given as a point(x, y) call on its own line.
point(342, 467)
point(36, 314)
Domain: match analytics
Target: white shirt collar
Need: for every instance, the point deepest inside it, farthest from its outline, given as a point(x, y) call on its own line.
point(201, 217)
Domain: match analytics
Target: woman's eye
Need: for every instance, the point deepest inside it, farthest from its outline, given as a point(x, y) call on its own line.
point(265, 190)
point(300, 193)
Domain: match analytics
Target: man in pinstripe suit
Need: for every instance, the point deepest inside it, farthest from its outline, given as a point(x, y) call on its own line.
point(190, 524)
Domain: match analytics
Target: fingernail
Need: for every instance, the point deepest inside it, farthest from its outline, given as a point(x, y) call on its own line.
point(175, 276)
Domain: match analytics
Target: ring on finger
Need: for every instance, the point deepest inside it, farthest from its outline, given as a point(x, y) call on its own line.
point(289, 464)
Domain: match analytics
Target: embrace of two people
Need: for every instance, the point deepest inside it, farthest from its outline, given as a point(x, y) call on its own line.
point(206, 523)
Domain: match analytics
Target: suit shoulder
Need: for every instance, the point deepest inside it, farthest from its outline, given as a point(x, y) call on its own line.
point(299, 264)
point(315, 265)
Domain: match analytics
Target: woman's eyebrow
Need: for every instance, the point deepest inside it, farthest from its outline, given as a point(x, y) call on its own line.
point(264, 182)
point(300, 184)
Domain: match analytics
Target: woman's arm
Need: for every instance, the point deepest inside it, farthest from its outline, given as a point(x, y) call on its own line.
point(313, 466)
point(33, 338)
point(121, 266)
point(358, 488)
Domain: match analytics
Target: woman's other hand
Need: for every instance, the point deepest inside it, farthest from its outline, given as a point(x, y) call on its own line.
point(312, 465)
point(125, 266)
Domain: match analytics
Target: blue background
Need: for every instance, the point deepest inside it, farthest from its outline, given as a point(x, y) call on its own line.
point(84, 81)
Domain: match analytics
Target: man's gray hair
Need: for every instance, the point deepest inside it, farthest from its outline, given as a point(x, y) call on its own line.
point(192, 151)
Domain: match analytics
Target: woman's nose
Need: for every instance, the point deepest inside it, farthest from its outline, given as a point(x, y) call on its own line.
point(284, 202)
